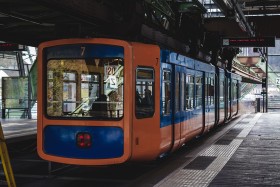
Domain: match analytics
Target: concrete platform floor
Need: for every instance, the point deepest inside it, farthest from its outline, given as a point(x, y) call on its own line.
point(247, 155)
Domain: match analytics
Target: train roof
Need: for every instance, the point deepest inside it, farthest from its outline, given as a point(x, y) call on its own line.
point(178, 59)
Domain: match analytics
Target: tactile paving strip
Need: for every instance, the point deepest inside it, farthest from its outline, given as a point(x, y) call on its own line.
point(220, 154)
point(227, 139)
point(223, 142)
point(200, 162)
point(243, 122)
point(222, 150)
point(189, 178)
point(219, 163)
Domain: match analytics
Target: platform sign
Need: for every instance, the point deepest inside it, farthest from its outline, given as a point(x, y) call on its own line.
point(249, 42)
point(14, 92)
point(12, 47)
point(277, 81)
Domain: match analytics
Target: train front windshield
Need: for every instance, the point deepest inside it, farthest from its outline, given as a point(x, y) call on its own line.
point(85, 87)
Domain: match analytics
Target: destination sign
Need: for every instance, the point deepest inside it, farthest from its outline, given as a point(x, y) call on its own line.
point(12, 47)
point(249, 42)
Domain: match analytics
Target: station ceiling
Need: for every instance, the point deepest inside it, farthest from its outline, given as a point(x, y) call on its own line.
point(31, 22)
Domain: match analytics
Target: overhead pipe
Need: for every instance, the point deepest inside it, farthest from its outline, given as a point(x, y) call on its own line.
point(23, 18)
point(242, 17)
point(224, 5)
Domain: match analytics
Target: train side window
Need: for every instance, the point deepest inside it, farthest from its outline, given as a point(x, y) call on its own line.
point(183, 92)
point(189, 92)
point(222, 86)
point(166, 92)
point(206, 91)
point(211, 91)
point(144, 92)
point(177, 91)
point(198, 91)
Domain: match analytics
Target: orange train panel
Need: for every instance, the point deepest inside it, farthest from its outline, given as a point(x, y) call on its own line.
point(146, 138)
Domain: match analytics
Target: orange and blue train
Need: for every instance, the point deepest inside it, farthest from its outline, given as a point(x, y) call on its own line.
point(107, 101)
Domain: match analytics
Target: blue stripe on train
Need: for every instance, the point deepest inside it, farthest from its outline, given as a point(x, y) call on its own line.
point(184, 116)
point(107, 142)
point(90, 51)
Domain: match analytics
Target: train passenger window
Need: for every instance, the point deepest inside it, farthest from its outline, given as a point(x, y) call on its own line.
point(211, 91)
point(177, 91)
point(83, 87)
point(198, 91)
point(183, 92)
point(222, 99)
point(206, 91)
point(144, 92)
point(166, 92)
point(189, 92)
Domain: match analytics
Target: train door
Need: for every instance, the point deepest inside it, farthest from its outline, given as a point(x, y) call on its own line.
point(212, 97)
point(226, 96)
point(198, 114)
point(176, 108)
point(166, 106)
point(188, 128)
point(229, 87)
point(206, 101)
point(222, 96)
point(238, 94)
point(146, 93)
point(234, 95)
point(209, 91)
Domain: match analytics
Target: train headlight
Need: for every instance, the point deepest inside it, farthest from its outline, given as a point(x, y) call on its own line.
point(83, 139)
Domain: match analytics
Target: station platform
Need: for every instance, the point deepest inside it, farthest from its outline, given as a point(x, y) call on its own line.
point(245, 152)
point(248, 154)
point(15, 129)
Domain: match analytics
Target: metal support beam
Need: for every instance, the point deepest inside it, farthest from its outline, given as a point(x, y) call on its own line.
point(262, 3)
point(227, 6)
point(20, 63)
point(242, 17)
point(224, 5)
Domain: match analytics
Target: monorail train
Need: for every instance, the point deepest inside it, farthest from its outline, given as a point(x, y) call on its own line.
point(108, 101)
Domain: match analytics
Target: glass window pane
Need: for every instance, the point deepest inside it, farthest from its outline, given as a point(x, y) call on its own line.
point(177, 92)
point(144, 96)
point(166, 92)
point(198, 91)
point(189, 91)
point(222, 99)
point(85, 88)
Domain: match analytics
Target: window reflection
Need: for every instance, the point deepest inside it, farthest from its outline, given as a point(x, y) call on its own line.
point(144, 93)
point(85, 88)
